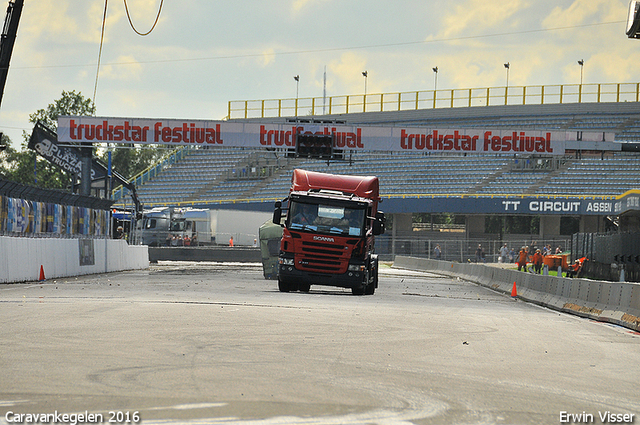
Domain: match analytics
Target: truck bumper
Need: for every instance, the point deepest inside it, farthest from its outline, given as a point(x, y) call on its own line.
point(345, 280)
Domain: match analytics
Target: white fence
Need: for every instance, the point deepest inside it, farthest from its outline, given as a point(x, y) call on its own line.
point(22, 258)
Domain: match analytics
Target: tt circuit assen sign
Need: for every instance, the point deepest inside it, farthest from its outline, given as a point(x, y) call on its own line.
point(564, 206)
point(374, 138)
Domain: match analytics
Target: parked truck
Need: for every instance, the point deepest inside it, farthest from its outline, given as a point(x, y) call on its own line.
point(202, 226)
point(328, 234)
point(164, 226)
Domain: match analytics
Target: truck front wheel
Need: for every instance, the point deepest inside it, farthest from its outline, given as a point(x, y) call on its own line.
point(282, 286)
point(370, 289)
point(372, 283)
point(285, 286)
point(358, 290)
point(304, 287)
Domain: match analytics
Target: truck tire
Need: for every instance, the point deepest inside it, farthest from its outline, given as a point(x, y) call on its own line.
point(358, 290)
point(370, 289)
point(372, 284)
point(304, 287)
point(285, 286)
point(282, 287)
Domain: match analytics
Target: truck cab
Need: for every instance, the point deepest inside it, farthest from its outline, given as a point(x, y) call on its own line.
point(328, 234)
point(162, 224)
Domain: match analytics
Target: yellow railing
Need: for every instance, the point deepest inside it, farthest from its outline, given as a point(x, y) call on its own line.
point(142, 177)
point(431, 99)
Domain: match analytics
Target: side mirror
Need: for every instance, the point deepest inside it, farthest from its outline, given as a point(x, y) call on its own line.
point(378, 223)
point(277, 213)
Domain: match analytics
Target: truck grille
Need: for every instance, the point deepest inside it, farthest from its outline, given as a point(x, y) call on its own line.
point(322, 257)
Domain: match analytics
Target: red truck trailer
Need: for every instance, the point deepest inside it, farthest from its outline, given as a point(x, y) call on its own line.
point(328, 234)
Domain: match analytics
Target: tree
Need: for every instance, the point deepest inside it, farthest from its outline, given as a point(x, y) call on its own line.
point(25, 166)
point(71, 103)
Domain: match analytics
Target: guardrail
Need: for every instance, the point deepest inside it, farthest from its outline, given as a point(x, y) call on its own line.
point(612, 302)
point(432, 99)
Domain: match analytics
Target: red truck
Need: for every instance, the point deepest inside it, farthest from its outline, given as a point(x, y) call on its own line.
point(328, 234)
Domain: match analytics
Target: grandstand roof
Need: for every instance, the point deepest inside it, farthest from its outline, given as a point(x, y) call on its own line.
point(622, 118)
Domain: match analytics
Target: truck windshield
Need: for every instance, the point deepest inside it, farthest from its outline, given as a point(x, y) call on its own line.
point(177, 225)
point(328, 219)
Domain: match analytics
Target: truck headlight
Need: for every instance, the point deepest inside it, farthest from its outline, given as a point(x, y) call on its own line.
point(355, 268)
point(286, 261)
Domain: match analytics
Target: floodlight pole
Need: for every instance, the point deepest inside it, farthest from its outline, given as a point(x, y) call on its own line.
point(324, 90)
point(506, 89)
point(507, 66)
point(435, 86)
point(581, 63)
point(297, 78)
point(365, 74)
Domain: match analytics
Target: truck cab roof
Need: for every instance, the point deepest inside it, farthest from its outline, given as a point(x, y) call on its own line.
point(309, 181)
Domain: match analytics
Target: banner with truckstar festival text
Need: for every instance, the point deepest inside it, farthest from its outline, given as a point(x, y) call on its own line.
point(372, 138)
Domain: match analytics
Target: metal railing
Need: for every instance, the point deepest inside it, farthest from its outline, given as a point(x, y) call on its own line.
point(432, 99)
point(202, 203)
point(151, 172)
point(461, 249)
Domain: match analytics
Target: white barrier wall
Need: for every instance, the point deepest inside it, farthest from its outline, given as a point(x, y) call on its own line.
point(612, 302)
point(21, 258)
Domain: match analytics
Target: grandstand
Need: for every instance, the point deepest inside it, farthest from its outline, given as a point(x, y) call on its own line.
point(229, 175)
point(579, 191)
point(584, 186)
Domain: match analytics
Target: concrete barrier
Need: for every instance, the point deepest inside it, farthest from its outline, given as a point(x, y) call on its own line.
point(203, 253)
point(21, 258)
point(610, 302)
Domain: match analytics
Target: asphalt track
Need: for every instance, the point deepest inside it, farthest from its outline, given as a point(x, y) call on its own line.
point(215, 343)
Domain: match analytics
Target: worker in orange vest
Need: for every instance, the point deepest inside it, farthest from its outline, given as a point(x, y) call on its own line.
point(537, 261)
point(522, 259)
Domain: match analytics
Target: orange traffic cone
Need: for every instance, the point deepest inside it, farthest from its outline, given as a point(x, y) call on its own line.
point(41, 274)
point(514, 291)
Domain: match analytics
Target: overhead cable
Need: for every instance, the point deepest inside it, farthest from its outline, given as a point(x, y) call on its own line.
point(131, 22)
point(104, 20)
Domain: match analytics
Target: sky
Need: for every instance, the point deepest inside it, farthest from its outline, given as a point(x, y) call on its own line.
point(204, 53)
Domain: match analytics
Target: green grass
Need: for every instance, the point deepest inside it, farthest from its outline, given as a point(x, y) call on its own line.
point(551, 272)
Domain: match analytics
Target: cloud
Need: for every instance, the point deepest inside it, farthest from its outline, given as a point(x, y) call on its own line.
point(132, 71)
point(267, 58)
point(605, 49)
point(299, 5)
point(472, 16)
point(64, 22)
point(585, 11)
point(347, 72)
